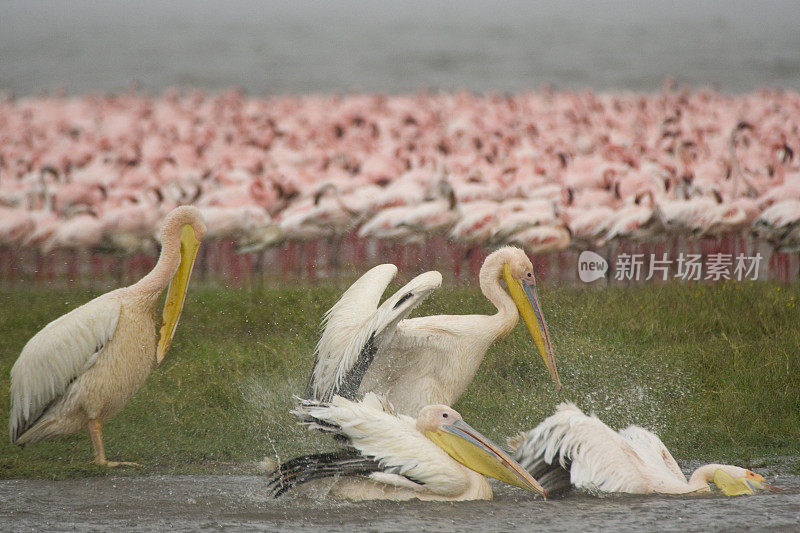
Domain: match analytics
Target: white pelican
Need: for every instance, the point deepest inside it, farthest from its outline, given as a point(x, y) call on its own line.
point(82, 368)
point(428, 360)
point(590, 455)
point(436, 456)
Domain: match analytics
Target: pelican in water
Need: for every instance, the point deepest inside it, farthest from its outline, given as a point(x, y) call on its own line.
point(82, 368)
point(436, 456)
point(590, 455)
point(428, 360)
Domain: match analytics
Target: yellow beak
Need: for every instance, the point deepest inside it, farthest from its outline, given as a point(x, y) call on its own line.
point(176, 294)
point(526, 296)
point(476, 452)
point(732, 486)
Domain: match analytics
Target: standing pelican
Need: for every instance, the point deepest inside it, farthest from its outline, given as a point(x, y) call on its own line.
point(82, 368)
point(593, 456)
point(436, 456)
point(428, 360)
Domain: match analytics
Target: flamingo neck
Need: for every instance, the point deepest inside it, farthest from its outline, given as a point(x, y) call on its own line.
point(702, 476)
point(507, 315)
point(157, 279)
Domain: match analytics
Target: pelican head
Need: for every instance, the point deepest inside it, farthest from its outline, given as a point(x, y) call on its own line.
point(183, 225)
point(735, 481)
point(445, 428)
point(521, 283)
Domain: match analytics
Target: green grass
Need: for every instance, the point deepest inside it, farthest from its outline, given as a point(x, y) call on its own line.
point(714, 369)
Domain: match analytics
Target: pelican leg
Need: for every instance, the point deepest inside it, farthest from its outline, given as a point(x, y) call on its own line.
point(96, 434)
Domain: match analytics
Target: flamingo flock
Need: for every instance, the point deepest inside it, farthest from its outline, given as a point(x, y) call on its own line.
point(312, 183)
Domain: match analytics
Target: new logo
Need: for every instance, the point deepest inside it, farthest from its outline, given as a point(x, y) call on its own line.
point(591, 266)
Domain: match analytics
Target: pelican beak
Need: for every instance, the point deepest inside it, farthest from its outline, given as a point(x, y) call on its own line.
point(476, 452)
point(732, 486)
point(526, 296)
point(758, 482)
point(176, 294)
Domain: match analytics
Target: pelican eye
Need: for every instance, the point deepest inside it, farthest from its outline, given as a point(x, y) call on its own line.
point(444, 415)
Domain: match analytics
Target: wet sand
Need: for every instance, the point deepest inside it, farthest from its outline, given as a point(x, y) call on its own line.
point(190, 503)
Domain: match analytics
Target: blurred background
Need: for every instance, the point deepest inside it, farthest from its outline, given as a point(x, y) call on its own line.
point(585, 125)
point(344, 45)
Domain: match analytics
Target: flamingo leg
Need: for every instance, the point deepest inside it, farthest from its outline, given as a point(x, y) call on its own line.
point(335, 245)
point(96, 434)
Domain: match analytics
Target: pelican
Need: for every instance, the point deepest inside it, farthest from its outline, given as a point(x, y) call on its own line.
point(436, 456)
point(590, 455)
point(82, 368)
point(428, 360)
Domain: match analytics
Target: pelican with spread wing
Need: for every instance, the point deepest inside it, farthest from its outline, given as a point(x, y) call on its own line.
point(416, 362)
point(82, 368)
point(436, 456)
point(590, 455)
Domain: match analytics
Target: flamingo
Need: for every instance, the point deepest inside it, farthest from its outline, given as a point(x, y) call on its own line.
point(588, 226)
point(15, 224)
point(414, 223)
point(520, 215)
point(601, 151)
point(780, 225)
point(81, 232)
point(542, 239)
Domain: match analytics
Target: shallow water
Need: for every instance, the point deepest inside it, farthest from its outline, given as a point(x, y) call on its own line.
point(187, 503)
point(293, 46)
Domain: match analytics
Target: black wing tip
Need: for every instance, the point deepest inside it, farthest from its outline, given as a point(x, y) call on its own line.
point(554, 478)
point(351, 381)
point(403, 299)
point(307, 468)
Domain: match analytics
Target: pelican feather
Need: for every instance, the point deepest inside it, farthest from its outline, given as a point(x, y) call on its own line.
point(633, 460)
point(55, 357)
point(356, 326)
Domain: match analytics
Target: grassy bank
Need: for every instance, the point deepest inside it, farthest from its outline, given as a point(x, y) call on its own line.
point(714, 369)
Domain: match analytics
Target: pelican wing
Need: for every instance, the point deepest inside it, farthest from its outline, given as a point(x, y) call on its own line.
point(647, 442)
point(596, 456)
point(355, 326)
point(347, 462)
point(387, 438)
point(56, 356)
